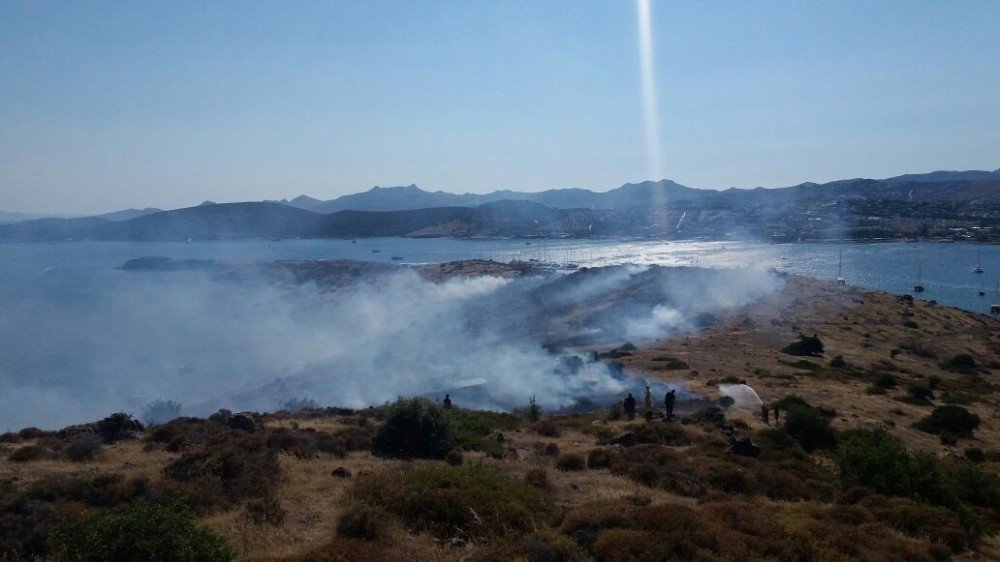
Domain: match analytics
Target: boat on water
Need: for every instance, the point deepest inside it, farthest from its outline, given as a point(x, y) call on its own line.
point(979, 263)
point(397, 258)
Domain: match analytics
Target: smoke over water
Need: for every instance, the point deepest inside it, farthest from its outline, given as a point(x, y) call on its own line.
point(252, 343)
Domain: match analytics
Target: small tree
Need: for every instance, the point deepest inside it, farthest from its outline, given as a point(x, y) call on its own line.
point(144, 532)
point(414, 428)
point(949, 419)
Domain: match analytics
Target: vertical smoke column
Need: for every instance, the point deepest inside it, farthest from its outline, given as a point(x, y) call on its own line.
point(649, 106)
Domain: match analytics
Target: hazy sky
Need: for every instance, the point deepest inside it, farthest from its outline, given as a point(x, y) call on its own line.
point(106, 105)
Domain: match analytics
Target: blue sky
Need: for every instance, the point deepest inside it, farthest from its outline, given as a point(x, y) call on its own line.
point(106, 105)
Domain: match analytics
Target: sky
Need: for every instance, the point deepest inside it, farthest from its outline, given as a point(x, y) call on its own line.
point(110, 105)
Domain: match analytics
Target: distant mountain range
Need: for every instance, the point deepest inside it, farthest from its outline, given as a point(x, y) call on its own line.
point(914, 204)
point(412, 197)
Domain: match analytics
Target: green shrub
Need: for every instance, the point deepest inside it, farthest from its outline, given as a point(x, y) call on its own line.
point(879, 460)
point(809, 426)
point(414, 428)
point(144, 532)
point(473, 500)
point(949, 419)
point(477, 430)
point(961, 363)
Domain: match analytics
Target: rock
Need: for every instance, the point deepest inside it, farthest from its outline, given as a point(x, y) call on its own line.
point(341, 472)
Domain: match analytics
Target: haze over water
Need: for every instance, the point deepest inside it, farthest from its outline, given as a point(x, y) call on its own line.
point(893, 267)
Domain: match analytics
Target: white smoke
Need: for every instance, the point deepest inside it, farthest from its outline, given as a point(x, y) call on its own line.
point(135, 337)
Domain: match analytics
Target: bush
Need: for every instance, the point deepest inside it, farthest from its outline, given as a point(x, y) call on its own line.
point(29, 453)
point(961, 363)
point(603, 458)
point(226, 471)
point(975, 454)
point(414, 428)
point(454, 458)
point(547, 428)
point(809, 426)
point(885, 380)
point(726, 402)
point(474, 500)
point(949, 419)
point(806, 346)
point(143, 532)
point(879, 460)
point(571, 462)
point(85, 448)
point(920, 392)
point(538, 478)
point(362, 522)
point(160, 411)
point(118, 426)
point(31, 433)
point(838, 362)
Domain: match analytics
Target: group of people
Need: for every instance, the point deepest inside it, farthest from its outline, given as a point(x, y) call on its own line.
point(668, 403)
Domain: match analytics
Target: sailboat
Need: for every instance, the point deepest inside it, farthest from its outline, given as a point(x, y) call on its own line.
point(979, 263)
point(840, 267)
point(919, 287)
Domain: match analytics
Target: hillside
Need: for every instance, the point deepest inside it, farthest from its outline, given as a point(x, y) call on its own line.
point(843, 475)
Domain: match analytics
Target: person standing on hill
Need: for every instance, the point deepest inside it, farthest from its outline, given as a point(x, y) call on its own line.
point(630, 406)
point(774, 408)
point(649, 399)
point(447, 401)
point(668, 403)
